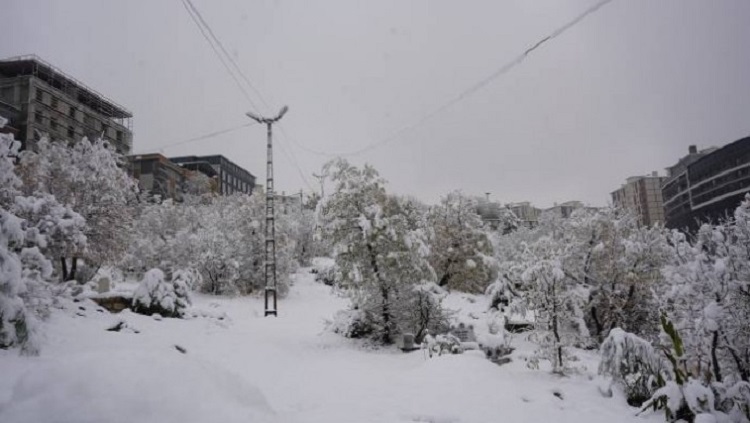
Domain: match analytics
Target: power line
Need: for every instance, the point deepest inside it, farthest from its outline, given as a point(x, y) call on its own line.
point(206, 136)
point(252, 86)
point(226, 54)
point(218, 54)
point(477, 86)
point(214, 41)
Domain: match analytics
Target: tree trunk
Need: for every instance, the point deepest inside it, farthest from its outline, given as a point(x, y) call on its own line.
point(73, 268)
point(597, 325)
point(555, 331)
point(714, 358)
point(385, 312)
point(64, 269)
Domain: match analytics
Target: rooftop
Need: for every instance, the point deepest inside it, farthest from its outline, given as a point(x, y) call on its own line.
point(32, 65)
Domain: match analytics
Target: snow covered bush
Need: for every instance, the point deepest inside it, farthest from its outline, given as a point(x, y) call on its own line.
point(633, 364)
point(708, 298)
point(157, 295)
point(220, 237)
point(557, 303)
point(693, 397)
point(460, 250)
point(424, 312)
point(442, 344)
point(350, 324)
point(24, 269)
point(88, 178)
point(380, 253)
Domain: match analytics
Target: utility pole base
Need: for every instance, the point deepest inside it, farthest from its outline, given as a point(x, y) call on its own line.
point(270, 302)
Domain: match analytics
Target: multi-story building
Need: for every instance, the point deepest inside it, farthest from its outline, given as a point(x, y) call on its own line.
point(565, 209)
point(231, 178)
point(642, 196)
point(707, 186)
point(48, 102)
point(526, 213)
point(157, 175)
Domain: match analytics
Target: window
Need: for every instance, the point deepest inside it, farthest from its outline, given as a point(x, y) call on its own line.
point(71, 132)
point(39, 96)
point(38, 117)
point(147, 167)
point(119, 136)
point(7, 94)
point(53, 124)
point(54, 103)
point(72, 112)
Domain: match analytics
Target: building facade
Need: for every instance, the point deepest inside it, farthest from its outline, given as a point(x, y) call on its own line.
point(157, 175)
point(642, 196)
point(526, 213)
point(565, 209)
point(49, 103)
point(230, 177)
point(708, 187)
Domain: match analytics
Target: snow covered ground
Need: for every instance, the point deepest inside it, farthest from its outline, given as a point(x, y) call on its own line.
point(247, 368)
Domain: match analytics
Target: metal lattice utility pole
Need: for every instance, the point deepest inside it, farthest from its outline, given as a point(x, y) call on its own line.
point(270, 262)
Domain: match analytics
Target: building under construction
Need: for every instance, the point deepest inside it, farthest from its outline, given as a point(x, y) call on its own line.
point(40, 100)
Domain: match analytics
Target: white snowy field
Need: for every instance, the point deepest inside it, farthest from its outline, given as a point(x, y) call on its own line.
point(247, 368)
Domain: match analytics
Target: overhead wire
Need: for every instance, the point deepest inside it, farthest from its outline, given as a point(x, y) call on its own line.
point(205, 136)
point(476, 86)
point(246, 79)
point(218, 48)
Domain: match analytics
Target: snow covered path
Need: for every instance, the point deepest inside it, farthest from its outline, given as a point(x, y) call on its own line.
point(285, 369)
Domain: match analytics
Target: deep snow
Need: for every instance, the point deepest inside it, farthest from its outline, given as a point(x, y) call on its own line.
point(248, 368)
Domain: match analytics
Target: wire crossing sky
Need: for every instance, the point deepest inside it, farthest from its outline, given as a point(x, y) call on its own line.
point(618, 89)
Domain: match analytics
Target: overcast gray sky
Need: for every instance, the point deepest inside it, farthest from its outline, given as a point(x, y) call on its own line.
point(623, 93)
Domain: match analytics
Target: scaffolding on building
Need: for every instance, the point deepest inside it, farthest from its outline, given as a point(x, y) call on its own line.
point(32, 65)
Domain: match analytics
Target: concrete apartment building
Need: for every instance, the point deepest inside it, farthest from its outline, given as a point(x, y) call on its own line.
point(41, 100)
point(230, 177)
point(565, 209)
point(707, 185)
point(526, 213)
point(642, 196)
point(156, 175)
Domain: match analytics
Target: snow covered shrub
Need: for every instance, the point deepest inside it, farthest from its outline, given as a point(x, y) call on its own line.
point(442, 344)
point(633, 364)
point(460, 251)
point(87, 177)
point(28, 226)
point(557, 302)
point(694, 396)
point(423, 312)
point(220, 237)
point(708, 299)
point(379, 249)
point(157, 295)
point(350, 324)
point(324, 269)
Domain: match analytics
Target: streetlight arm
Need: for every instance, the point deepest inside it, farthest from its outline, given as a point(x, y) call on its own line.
point(254, 117)
point(282, 112)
